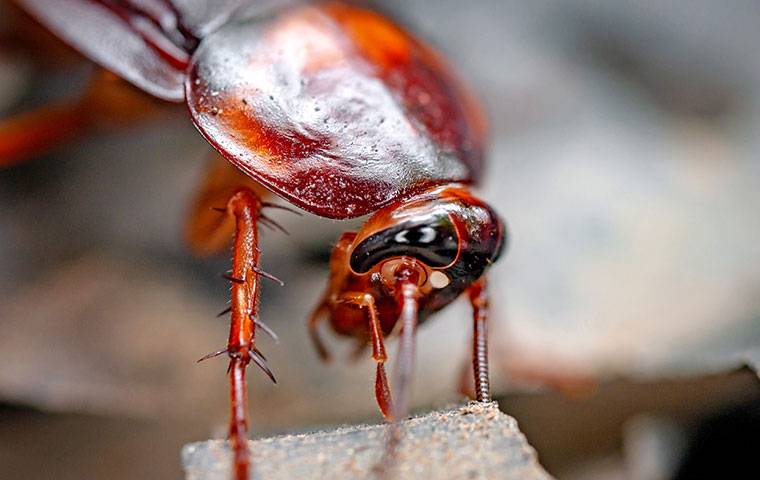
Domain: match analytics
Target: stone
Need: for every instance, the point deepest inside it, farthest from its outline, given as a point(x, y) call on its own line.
point(476, 441)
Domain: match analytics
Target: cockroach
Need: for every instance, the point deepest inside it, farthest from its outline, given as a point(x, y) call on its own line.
point(334, 108)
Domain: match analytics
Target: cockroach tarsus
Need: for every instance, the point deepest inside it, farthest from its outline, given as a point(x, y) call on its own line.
point(334, 108)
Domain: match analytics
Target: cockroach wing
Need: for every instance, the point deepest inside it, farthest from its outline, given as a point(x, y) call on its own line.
point(103, 36)
point(201, 17)
point(333, 107)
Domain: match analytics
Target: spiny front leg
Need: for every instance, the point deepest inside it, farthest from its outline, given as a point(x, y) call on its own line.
point(211, 225)
point(479, 301)
point(245, 207)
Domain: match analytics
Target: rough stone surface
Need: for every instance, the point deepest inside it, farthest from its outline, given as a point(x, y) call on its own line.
point(472, 442)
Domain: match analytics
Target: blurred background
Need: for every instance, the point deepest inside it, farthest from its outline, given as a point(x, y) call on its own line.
point(624, 156)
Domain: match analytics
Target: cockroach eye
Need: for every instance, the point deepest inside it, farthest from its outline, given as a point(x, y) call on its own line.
point(432, 239)
point(421, 235)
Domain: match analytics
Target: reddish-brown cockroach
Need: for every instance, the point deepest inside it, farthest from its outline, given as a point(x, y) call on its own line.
point(332, 107)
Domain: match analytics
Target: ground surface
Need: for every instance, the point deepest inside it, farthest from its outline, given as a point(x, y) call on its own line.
point(474, 442)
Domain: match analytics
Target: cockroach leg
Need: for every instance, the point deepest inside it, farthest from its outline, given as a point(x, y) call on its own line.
point(106, 102)
point(27, 134)
point(319, 314)
point(210, 227)
point(382, 390)
point(244, 206)
point(322, 311)
point(479, 301)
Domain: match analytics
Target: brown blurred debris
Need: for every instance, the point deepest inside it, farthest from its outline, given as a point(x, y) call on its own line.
point(474, 441)
point(571, 434)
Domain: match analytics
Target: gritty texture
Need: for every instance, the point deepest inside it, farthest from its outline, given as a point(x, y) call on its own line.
point(476, 441)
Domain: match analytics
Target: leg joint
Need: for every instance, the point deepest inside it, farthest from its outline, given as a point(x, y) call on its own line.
point(243, 199)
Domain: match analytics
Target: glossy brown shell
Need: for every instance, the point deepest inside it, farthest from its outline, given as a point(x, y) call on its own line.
point(334, 108)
